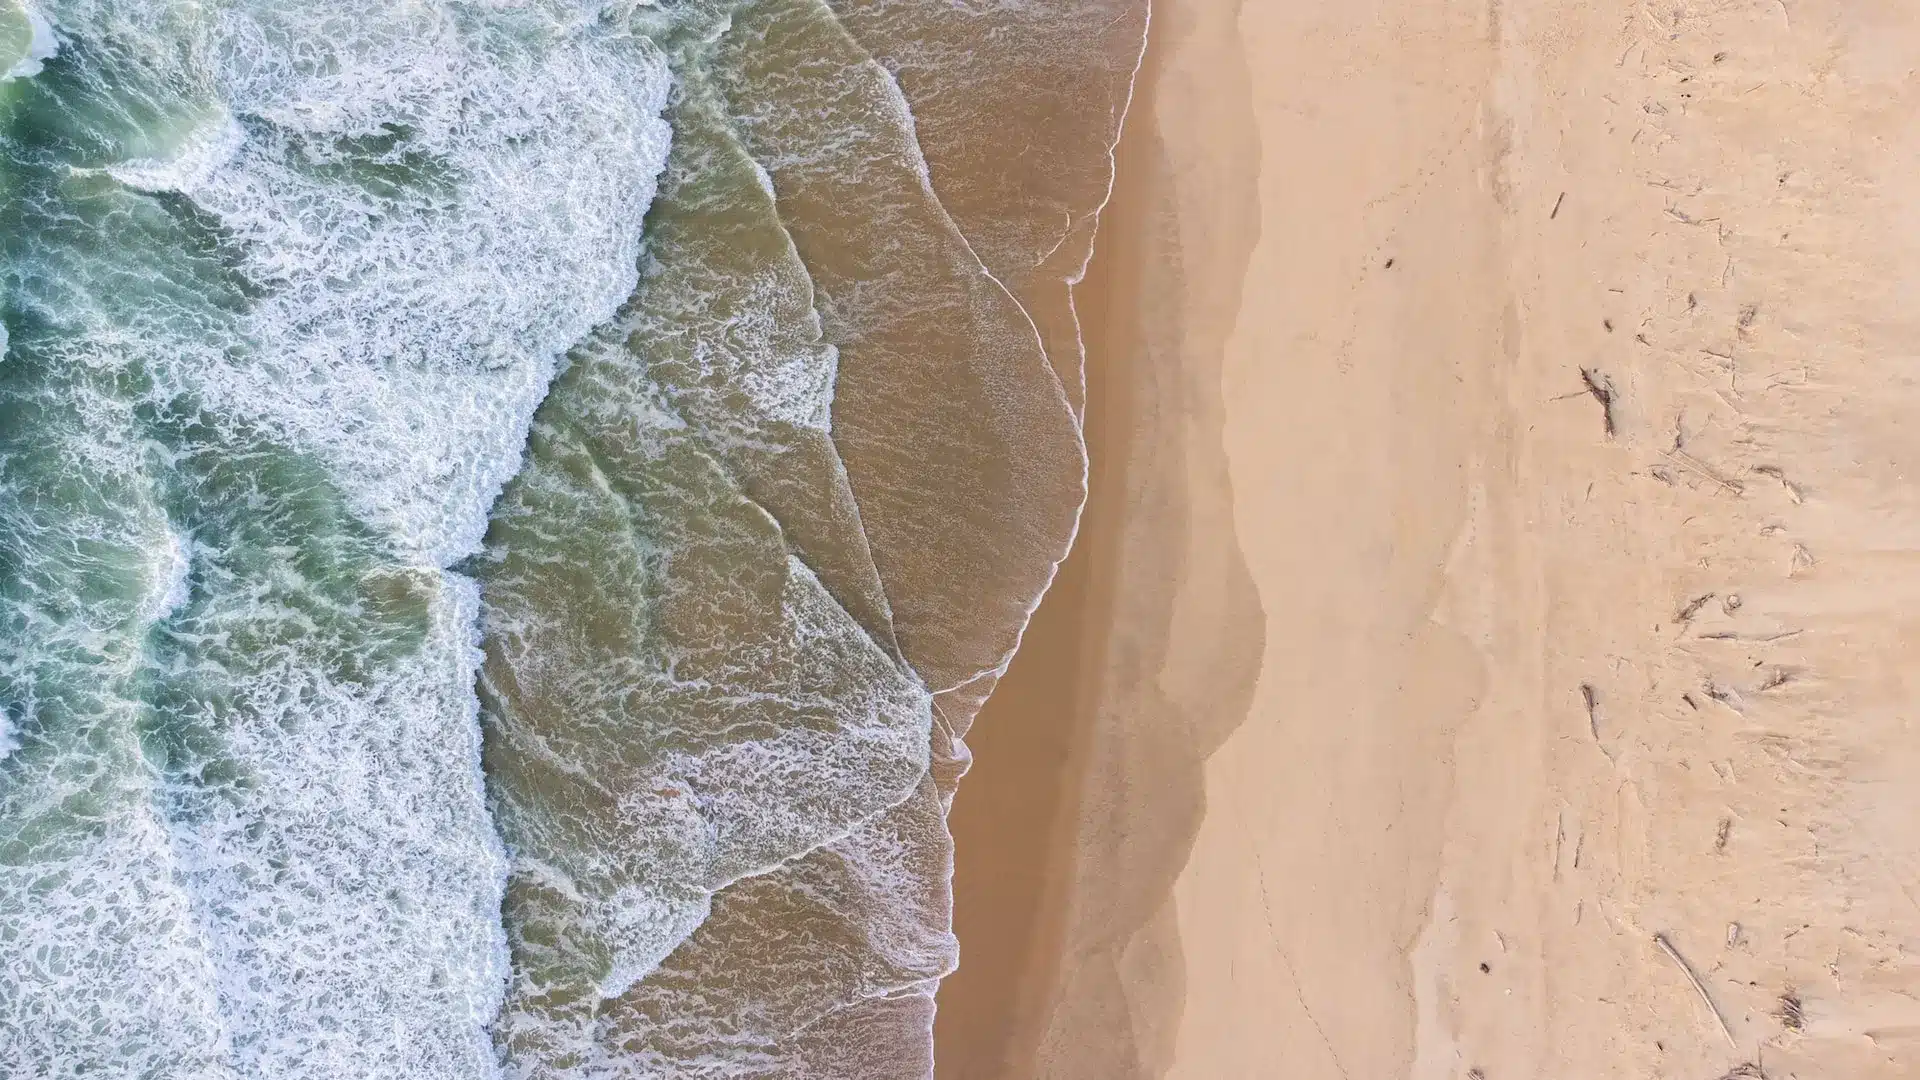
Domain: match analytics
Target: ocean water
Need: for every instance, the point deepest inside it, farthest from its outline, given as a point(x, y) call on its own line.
point(507, 508)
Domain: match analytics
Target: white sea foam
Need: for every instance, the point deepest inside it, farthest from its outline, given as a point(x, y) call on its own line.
point(350, 889)
point(805, 730)
point(434, 202)
point(439, 215)
point(103, 966)
point(172, 579)
point(42, 45)
point(116, 981)
point(193, 162)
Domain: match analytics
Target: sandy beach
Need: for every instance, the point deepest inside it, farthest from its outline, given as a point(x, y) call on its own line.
point(1489, 650)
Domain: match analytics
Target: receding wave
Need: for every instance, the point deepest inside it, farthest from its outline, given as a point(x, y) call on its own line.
point(505, 513)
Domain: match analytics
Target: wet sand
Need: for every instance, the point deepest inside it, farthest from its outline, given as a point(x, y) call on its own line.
point(1527, 418)
point(1086, 784)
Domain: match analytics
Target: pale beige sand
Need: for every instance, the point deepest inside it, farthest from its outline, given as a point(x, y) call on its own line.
point(1546, 715)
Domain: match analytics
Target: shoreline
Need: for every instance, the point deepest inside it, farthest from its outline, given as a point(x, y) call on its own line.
point(1012, 811)
point(1054, 920)
point(1552, 482)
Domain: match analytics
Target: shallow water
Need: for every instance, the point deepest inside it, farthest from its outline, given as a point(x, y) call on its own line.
point(504, 513)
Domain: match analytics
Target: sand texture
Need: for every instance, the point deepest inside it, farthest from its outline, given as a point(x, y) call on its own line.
point(1495, 640)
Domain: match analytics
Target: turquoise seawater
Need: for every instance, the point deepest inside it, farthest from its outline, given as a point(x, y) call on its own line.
point(507, 509)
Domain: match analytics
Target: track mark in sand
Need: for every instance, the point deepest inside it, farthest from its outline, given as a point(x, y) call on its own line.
point(1293, 977)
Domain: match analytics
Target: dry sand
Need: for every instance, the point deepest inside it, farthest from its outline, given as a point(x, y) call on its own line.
point(1494, 645)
